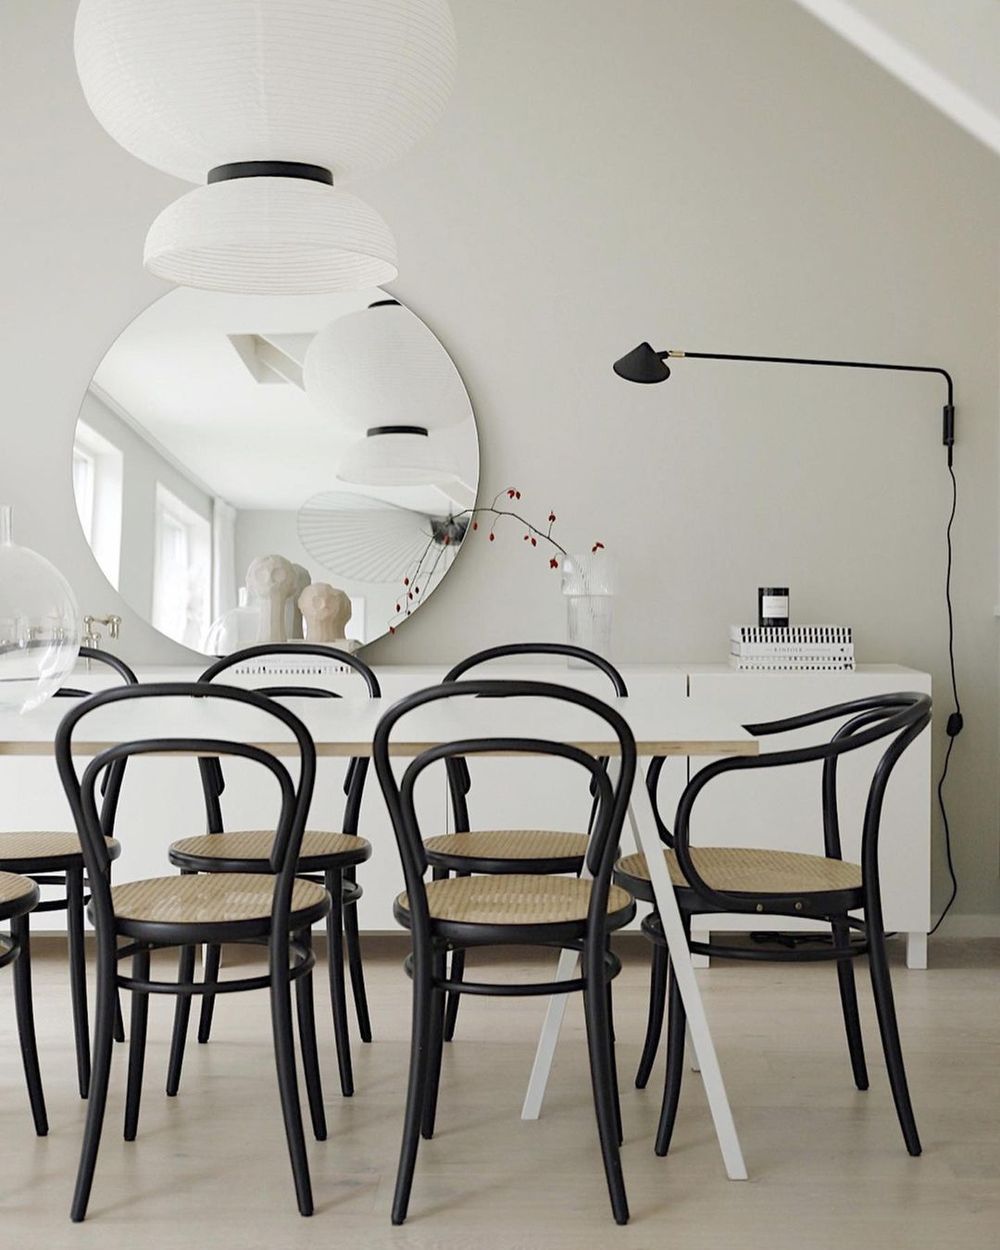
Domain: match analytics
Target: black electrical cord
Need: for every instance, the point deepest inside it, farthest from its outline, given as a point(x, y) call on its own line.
point(953, 729)
point(955, 721)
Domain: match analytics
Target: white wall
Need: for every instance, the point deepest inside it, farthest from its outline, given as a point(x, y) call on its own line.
point(721, 175)
point(143, 467)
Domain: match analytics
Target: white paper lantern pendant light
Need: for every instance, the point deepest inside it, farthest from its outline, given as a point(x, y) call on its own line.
point(382, 374)
point(277, 103)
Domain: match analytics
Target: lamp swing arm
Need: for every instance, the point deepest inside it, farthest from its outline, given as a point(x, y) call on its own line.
point(948, 424)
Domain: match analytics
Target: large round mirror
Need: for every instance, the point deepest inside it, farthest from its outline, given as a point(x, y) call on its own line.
point(267, 468)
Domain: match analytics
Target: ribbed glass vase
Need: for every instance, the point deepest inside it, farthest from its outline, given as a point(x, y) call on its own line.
point(588, 585)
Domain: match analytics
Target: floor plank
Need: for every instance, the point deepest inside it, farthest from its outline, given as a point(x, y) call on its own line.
point(827, 1163)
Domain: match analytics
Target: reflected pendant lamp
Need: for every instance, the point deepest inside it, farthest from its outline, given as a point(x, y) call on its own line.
point(383, 375)
point(272, 105)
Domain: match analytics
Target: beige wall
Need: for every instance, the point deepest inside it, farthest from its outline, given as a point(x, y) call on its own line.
point(713, 175)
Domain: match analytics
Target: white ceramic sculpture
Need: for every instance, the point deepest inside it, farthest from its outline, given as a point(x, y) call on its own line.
point(293, 614)
point(326, 612)
point(271, 581)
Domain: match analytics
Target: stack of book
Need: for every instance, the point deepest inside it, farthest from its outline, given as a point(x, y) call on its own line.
point(794, 649)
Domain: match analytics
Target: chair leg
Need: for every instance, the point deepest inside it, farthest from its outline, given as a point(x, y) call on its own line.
point(284, 1058)
point(885, 1007)
point(849, 1005)
point(213, 962)
point(338, 990)
point(353, 942)
point(434, 1048)
point(107, 994)
point(25, 1012)
point(616, 1094)
point(182, 1014)
point(595, 1002)
point(78, 976)
point(455, 973)
point(676, 1030)
point(119, 1030)
point(417, 1083)
point(137, 1044)
point(306, 1011)
point(654, 1022)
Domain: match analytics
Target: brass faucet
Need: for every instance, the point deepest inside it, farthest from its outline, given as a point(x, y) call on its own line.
point(91, 637)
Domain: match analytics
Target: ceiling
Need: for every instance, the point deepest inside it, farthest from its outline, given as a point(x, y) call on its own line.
point(179, 374)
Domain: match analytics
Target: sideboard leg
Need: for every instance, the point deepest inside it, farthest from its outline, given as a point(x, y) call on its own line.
point(916, 950)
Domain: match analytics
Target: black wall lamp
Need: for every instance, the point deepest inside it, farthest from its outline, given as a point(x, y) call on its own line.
point(646, 365)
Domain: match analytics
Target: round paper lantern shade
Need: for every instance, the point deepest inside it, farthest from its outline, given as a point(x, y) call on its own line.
point(382, 366)
point(188, 85)
point(271, 236)
point(397, 460)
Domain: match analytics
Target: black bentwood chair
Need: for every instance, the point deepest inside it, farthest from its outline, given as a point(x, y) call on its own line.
point(504, 850)
point(532, 909)
point(18, 895)
point(330, 857)
point(785, 883)
point(56, 859)
point(274, 911)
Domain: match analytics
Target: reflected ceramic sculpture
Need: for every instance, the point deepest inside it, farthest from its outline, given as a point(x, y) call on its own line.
point(326, 612)
point(271, 581)
point(293, 614)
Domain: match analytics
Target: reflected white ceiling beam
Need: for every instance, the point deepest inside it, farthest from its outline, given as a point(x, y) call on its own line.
point(948, 81)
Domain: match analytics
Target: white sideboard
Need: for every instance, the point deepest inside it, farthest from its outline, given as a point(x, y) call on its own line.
point(161, 798)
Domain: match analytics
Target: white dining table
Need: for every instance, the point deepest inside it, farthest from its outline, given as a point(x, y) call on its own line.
point(345, 727)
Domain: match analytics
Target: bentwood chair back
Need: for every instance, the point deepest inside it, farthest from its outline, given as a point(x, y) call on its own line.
point(277, 911)
point(451, 914)
point(55, 859)
point(709, 878)
point(493, 850)
point(328, 855)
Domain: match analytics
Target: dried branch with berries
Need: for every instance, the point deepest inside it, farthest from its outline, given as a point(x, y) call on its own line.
point(452, 532)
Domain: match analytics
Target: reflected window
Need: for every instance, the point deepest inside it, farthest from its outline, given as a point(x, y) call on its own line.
point(97, 486)
point(182, 572)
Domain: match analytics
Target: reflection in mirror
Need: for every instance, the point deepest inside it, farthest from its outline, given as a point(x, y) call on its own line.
point(311, 441)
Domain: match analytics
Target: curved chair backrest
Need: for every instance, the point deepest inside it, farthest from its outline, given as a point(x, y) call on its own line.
point(611, 797)
point(80, 790)
point(111, 782)
point(459, 779)
point(102, 657)
point(213, 782)
point(896, 719)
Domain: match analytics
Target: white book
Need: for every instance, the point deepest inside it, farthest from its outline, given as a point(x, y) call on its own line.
point(787, 664)
point(791, 633)
point(829, 650)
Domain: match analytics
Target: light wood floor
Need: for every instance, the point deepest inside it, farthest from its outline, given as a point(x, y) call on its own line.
point(827, 1164)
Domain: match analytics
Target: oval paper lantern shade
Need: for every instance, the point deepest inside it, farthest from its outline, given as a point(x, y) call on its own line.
point(397, 460)
point(382, 366)
point(271, 236)
point(187, 85)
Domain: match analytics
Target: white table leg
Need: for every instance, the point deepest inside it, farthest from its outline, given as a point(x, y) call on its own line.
point(916, 950)
point(546, 1049)
point(648, 840)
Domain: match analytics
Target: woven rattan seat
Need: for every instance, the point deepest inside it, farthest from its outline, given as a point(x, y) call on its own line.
point(509, 844)
point(15, 847)
point(255, 844)
point(514, 899)
point(748, 870)
point(215, 898)
point(14, 887)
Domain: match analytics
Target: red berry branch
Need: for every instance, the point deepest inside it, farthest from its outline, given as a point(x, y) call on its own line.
point(422, 571)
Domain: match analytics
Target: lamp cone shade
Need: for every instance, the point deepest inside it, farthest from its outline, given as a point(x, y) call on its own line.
point(642, 364)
